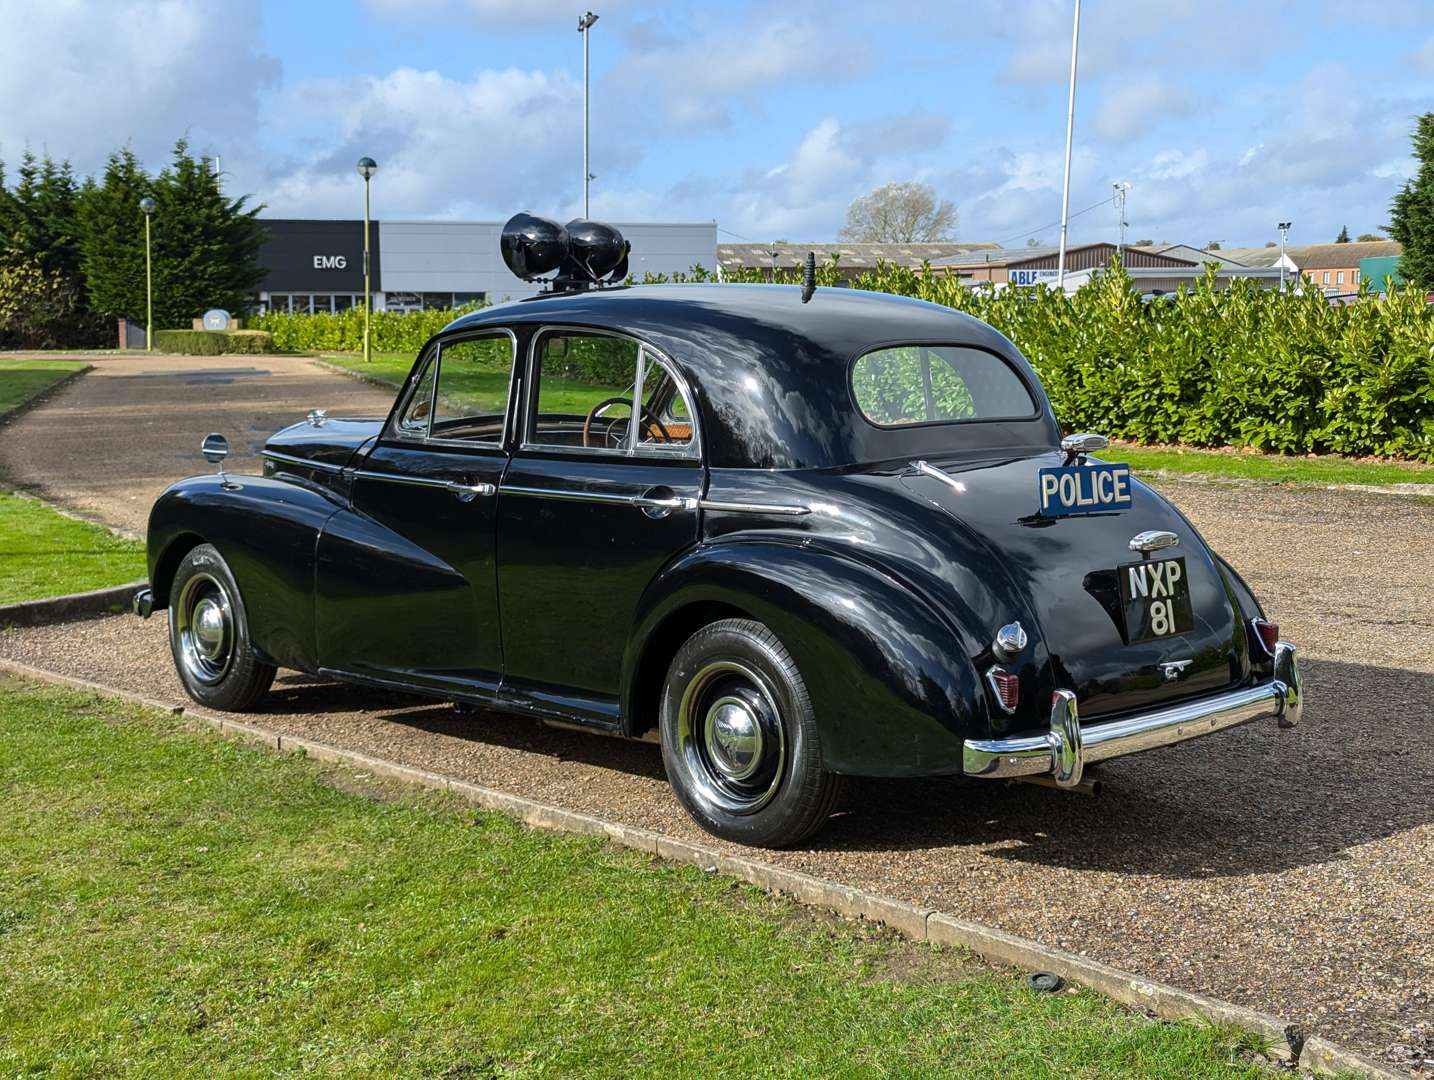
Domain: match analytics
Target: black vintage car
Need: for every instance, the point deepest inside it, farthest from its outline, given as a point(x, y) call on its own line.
point(799, 534)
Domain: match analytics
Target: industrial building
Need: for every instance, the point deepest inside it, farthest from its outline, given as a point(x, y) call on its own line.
point(317, 265)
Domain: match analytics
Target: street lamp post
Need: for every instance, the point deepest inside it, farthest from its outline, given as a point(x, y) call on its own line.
point(147, 205)
point(1070, 128)
point(585, 23)
point(366, 168)
point(1284, 228)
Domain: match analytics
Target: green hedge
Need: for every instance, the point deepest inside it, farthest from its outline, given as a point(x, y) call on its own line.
point(1243, 366)
point(391, 331)
point(213, 342)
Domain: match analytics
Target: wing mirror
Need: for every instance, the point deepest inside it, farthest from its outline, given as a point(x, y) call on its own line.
point(215, 449)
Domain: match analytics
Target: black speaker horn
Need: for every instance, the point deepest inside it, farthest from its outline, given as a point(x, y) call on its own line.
point(533, 246)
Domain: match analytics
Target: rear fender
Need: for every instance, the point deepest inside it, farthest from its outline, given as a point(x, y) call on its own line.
point(891, 687)
point(266, 530)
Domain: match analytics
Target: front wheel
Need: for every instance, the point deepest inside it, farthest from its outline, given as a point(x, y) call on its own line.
point(739, 738)
point(209, 635)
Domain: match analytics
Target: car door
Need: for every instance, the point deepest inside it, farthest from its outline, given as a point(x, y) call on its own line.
point(593, 504)
point(407, 578)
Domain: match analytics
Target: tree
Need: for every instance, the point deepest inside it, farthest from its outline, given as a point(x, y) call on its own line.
point(1213, 245)
point(1343, 237)
point(112, 237)
point(1369, 238)
point(39, 308)
point(1033, 241)
point(205, 246)
point(1411, 214)
point(1271, 243)
point(900, 213)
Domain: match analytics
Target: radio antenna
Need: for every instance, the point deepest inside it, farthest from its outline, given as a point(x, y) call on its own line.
point(809, 277)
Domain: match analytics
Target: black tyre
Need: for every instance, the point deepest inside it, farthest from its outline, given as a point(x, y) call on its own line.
point(739, 739)
point(209, 635)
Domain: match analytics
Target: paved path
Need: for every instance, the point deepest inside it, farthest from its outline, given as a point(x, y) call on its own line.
point(107, 444)
point(1289, 871)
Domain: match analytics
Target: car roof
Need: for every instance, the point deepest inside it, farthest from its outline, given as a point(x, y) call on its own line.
point(770, 373)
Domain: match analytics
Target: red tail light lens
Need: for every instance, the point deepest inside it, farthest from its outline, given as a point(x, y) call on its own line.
point(1269, 634)
point(1007, 687)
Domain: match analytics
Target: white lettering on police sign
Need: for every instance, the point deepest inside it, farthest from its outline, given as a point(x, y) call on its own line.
point(1084, 489)
point(330, 262)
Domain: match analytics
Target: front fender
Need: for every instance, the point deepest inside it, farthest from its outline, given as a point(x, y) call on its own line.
point(267, 530)
point(890, 683)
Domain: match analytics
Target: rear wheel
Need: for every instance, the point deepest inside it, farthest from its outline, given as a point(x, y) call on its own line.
point(209, 635)
point(739, 738)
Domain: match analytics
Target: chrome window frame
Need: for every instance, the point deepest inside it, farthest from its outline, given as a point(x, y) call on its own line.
point(634, 450)
point(428, 439)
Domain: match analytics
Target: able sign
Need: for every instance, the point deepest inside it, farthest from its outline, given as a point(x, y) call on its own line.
point(1095, 488)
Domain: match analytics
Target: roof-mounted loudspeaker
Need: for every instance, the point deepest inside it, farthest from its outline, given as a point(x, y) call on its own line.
point(583, 253)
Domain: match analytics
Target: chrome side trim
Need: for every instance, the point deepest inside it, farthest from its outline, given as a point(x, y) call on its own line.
point(1067, 747)
point(779, 509)
point(465, 492)
point(642, 502)
point(306, 463)
point(940, 474)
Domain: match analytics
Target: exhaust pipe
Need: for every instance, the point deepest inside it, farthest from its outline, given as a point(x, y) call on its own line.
point(1086, 785)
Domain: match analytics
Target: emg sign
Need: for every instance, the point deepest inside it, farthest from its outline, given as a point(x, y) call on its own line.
point(330, 262)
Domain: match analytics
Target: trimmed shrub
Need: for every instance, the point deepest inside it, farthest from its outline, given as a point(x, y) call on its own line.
point(213, 342)
point(391, 331)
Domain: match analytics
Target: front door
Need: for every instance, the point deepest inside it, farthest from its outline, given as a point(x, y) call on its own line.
point(595, 501)
point(407, 578)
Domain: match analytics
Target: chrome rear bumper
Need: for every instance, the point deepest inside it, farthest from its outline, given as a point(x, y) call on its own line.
point(1067, 748)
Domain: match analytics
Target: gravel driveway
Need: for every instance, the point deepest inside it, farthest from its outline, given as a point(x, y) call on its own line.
point(1289, 871)
point(109, 443)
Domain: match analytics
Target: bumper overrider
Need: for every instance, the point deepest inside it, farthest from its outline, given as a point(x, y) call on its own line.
point(1067, 748)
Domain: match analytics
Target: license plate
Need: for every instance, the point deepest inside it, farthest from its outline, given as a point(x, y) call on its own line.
point(1097, 487)
point(1155, 597)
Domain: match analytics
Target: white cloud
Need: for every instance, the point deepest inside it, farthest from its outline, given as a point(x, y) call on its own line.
point(79, 80)
point(1132, 108)
point(488, 14)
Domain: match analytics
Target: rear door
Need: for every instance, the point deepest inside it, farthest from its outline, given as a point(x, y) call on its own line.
point(407, 578)
point(594, 503)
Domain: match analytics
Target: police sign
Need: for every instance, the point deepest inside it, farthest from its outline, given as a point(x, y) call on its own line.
point(1092, 488)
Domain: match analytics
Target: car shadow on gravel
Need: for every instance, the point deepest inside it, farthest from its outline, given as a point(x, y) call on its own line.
point(1253, 800)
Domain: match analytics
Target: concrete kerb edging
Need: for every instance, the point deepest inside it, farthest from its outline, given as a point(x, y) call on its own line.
point(1285, 1040)
point(55, 609)
point(44, 395)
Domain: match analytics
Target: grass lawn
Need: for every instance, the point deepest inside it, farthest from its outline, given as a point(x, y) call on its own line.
point(175, 904)
point(1269, 467)
point(43, 553)
point(22, 379)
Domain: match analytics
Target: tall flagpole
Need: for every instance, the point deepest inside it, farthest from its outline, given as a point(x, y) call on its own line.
point(1070, 129)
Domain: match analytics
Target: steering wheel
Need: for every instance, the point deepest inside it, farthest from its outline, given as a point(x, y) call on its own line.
point(648, 417)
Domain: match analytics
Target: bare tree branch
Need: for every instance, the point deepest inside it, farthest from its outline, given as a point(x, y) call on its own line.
point(900, 213)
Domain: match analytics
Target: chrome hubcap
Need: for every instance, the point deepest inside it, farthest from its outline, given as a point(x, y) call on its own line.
point(202, 629)
point(730, 737)
point(734, 738)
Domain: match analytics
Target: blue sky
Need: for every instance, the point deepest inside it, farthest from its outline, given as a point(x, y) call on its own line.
point(1224, 117)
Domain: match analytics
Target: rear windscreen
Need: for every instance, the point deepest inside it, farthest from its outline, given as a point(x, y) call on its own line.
point(904, 385)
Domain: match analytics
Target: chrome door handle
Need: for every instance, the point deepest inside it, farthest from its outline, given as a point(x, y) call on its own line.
point(656, 505)
point(469, 492)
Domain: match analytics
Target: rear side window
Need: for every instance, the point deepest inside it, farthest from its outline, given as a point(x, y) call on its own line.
point(904, 385)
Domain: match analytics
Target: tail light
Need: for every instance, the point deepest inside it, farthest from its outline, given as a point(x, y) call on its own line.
point(1268, 634)
point(1006, 686)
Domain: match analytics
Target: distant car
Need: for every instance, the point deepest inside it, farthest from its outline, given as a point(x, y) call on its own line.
point(795, 541)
